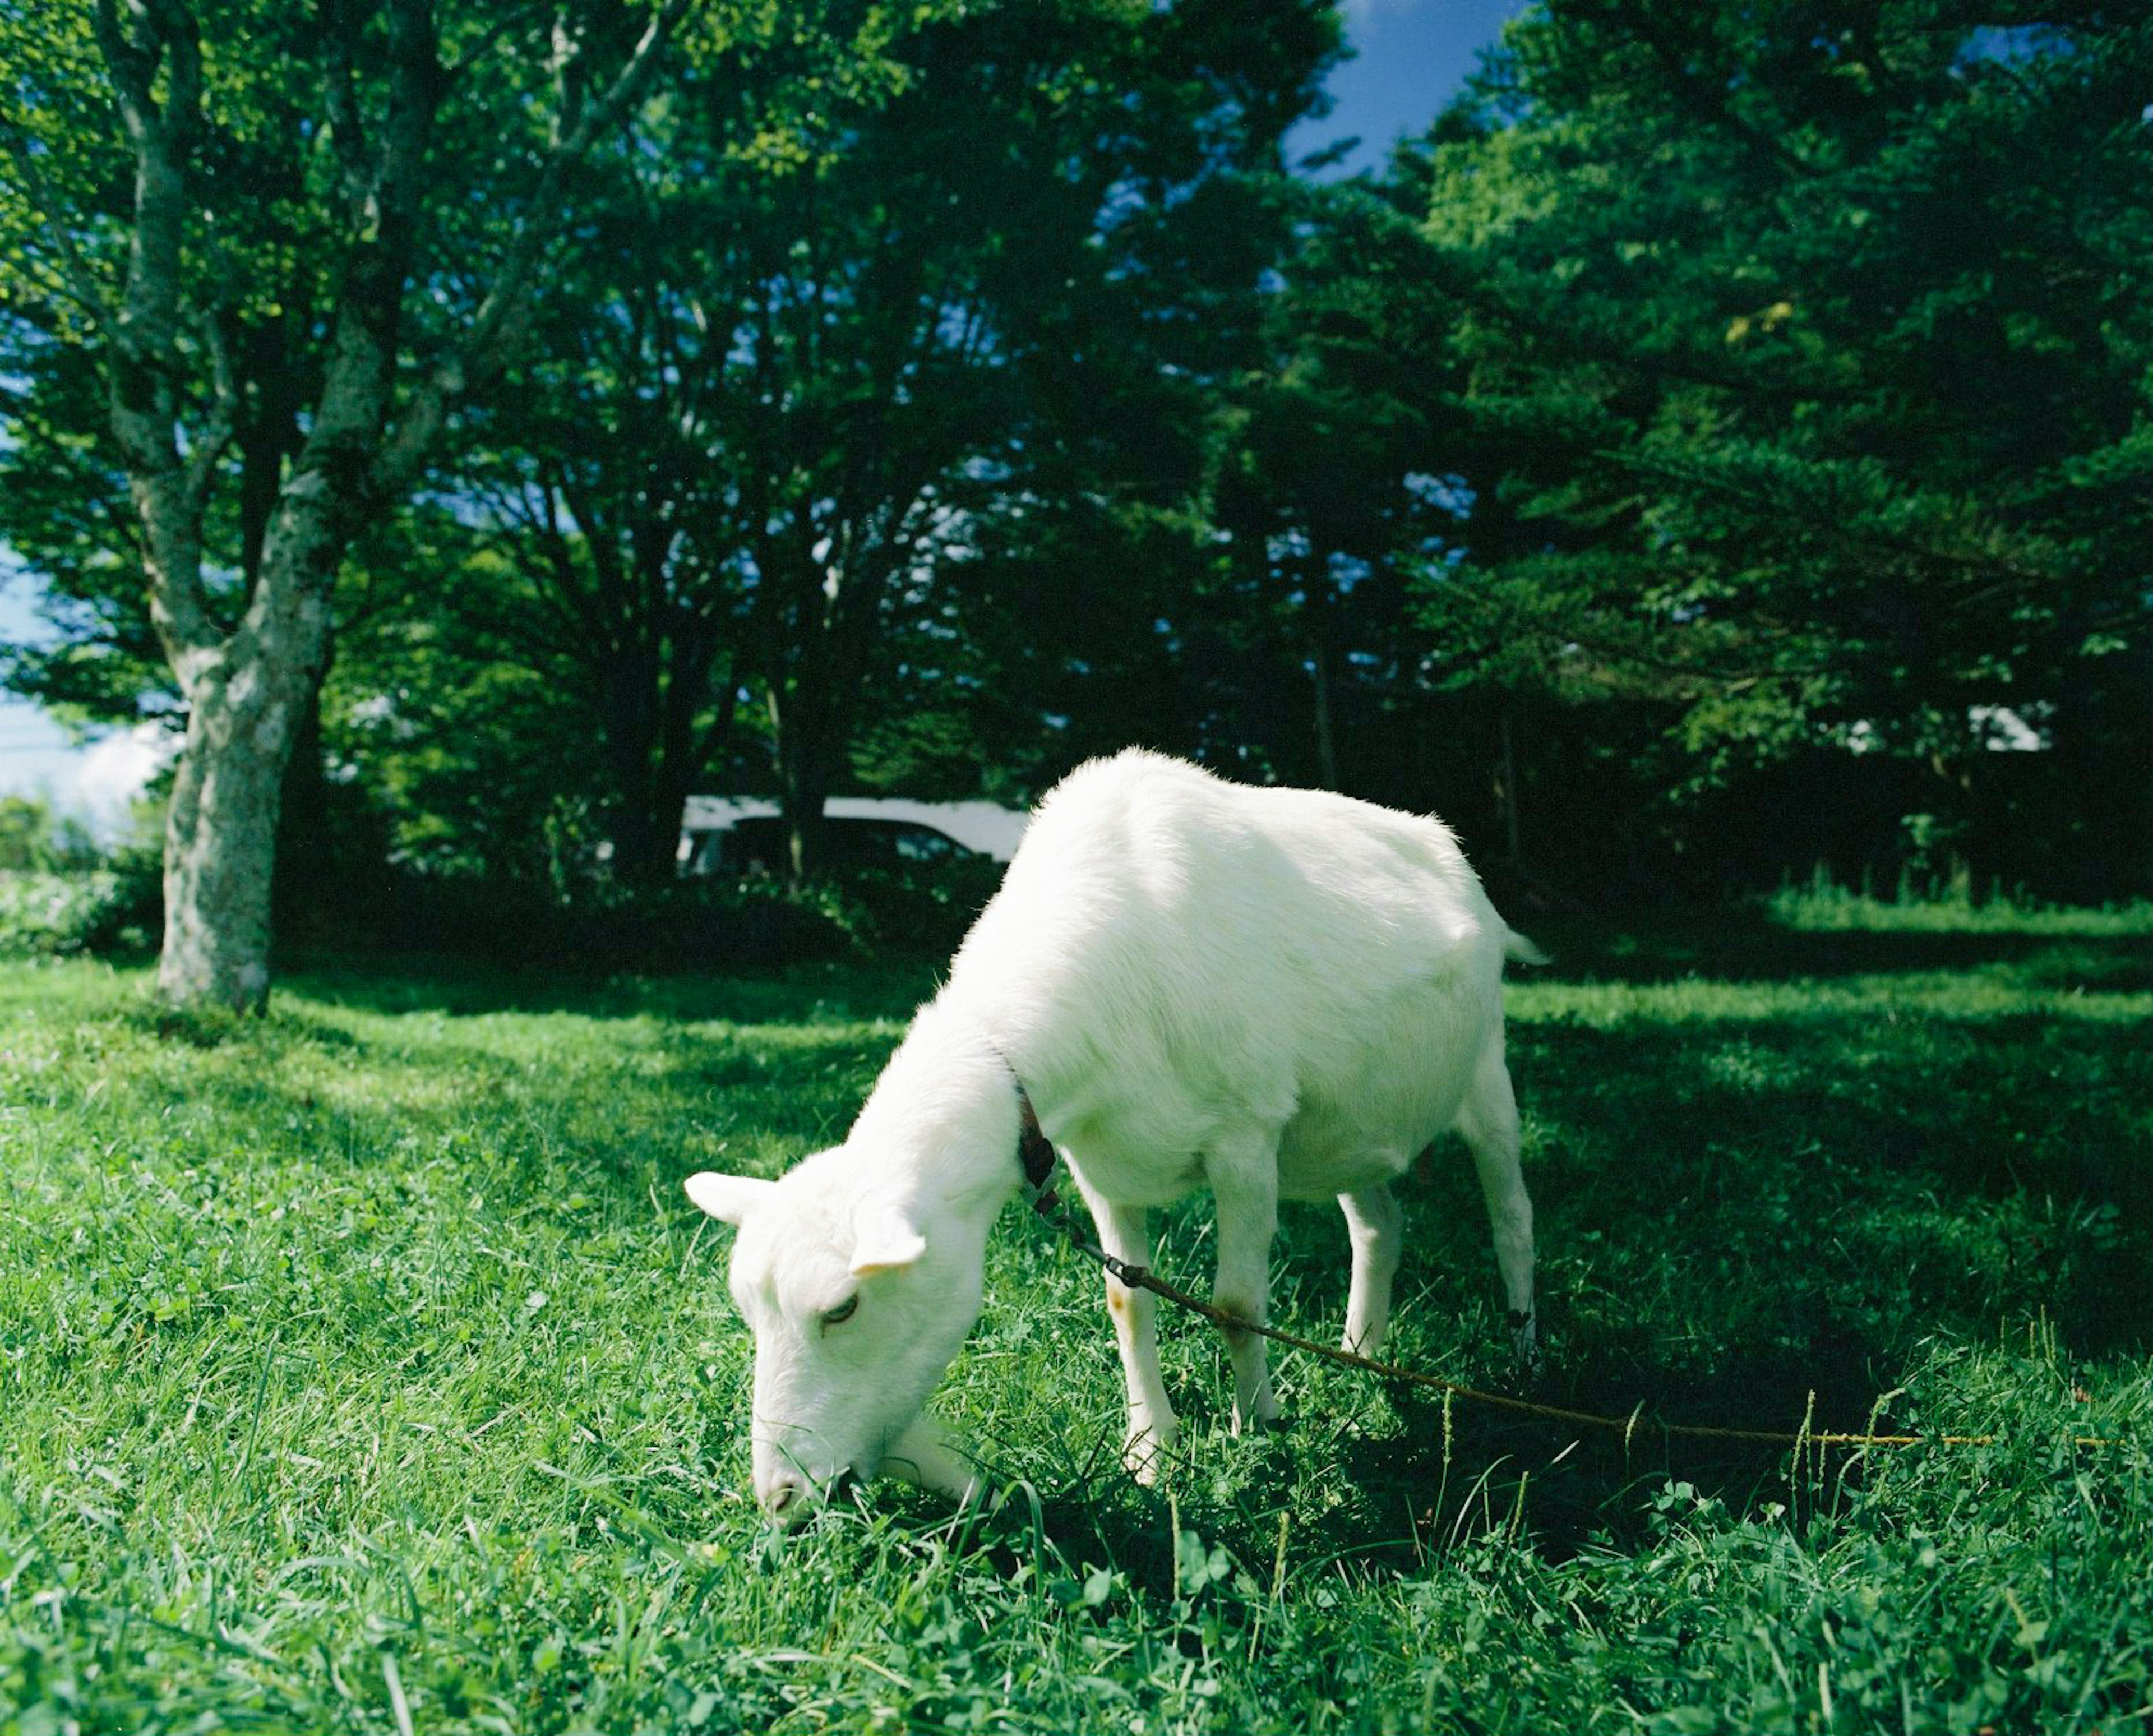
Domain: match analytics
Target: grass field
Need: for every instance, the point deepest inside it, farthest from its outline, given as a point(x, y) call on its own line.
point(363, 1368)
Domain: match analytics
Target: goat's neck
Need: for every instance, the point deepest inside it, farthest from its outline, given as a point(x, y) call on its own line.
point(942, 1122)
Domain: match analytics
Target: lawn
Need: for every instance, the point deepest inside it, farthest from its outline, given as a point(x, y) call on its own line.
point(363, 1367)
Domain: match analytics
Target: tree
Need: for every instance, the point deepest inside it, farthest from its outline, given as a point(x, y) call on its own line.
point(242, 259)
point(34, 840)
point(1334, 456)
point(1807, 348)
point(824, 345)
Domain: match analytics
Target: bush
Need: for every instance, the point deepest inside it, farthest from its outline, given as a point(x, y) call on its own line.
point(691, 925)
point(118, 908)
point(924, 907)
point(705, 923)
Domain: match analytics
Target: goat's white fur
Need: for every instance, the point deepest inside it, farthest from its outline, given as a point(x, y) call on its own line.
point(1277, 994)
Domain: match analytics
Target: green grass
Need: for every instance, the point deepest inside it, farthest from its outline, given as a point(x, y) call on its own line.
point(362, 1368)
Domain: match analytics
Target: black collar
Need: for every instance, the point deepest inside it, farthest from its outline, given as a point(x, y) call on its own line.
point(1033, 1150)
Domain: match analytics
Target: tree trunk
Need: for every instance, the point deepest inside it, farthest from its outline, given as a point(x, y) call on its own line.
point(629, 680)
point(1506, 789)
point(1322, 634)
point(646, 834)
point(655, 751)
point(644, 857)
point(221, 833)
point(812, 689)
point(1326, 743)
point(307, 844)
point(803, 786)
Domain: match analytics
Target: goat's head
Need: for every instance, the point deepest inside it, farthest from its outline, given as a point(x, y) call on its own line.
point(858, 1301)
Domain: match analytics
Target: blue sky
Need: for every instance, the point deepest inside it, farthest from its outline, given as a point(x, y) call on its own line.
point(1410, 57)
point(34, 755)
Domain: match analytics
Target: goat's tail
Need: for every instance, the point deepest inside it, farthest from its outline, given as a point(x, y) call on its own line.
point(1519, 950)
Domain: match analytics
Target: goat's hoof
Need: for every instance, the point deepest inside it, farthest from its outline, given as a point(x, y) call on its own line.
point(1143, 1455)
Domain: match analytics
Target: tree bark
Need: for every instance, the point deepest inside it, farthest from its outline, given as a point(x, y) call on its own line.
point(1326, 737)
point(221, 833)
point(803, 779)
point(666, 712)
point(247, 694)
point(1506, 789)
point(815, 641)
point(814, 693)
point(677, 764)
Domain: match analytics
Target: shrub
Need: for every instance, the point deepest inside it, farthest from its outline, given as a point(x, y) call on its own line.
point(117, 909)
point(921, 907)
point(691, 925)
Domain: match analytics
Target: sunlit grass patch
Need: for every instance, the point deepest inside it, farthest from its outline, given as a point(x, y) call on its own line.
point(1824, 908)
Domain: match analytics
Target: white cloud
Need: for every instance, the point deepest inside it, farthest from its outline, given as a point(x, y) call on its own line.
point(113, 770)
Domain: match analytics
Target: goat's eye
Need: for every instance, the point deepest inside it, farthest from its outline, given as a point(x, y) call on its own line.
point(843, 1311)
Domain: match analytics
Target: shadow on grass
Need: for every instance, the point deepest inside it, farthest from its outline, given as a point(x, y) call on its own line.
point(1857, 1183)
point(1388, 1505)
point(888, 988)
point(1735, 1213)
point(1740, 1222)
point(1732, 945)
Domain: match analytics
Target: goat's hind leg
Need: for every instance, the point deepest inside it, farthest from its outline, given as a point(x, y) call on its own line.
point(1488, 1121)
point(1375, 1224)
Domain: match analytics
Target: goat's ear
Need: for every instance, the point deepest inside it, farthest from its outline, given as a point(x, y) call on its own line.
point(883, 1240)
point(728, 1198)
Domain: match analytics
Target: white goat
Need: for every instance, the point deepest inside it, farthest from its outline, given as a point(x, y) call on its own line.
point(1272, 993)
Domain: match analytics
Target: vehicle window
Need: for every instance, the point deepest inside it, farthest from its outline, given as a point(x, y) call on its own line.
point(916, 843)
point(759, 845)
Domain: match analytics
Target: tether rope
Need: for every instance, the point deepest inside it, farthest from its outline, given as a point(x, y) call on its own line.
point(1137, 1277)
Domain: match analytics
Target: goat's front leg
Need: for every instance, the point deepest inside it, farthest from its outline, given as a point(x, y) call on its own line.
point(1244, 1192)
point(1153, 1427)
point(925, 1456)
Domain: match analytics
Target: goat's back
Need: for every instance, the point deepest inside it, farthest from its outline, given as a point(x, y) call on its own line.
point(1168, 948)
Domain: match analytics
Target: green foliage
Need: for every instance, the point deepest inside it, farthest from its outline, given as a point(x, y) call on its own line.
point(1823, 907)
point(61, 894)
point(33, 838)
point(362, 1363)
point(468, 750)
point(1674, 471)
point(593, 923)
point(1806, 361)
point(788, 404)
point(101, 910)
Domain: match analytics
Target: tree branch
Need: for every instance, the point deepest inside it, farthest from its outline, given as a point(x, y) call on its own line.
point(499, 323)
point(145, 363)
point(209, 446)
point(77, 283)
point(347, 130)
point(1704, 101)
